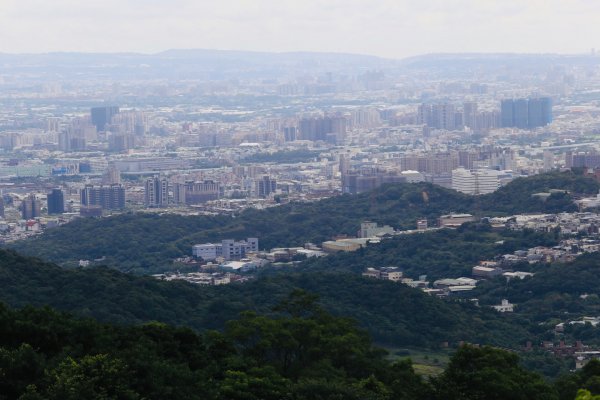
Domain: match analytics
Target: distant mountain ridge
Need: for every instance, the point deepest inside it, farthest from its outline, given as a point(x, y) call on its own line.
point(188, 64)
point(206, 64)
point(202, 52)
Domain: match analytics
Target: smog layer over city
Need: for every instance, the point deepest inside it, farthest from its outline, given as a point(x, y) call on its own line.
point(300, 199)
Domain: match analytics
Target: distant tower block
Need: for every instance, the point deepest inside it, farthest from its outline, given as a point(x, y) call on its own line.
point(101, 116)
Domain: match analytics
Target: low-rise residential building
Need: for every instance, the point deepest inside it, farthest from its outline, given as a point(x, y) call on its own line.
point(516, 275)
point(199, 278)
point(420, 284)
point(333, 246)
point(244, 265)
point(207, 251)
point(486, 272)
point(386, 273)
point(311, 253)
point(584, 357)
point(454, 220)
point(372, 273)
point(448, 282)
point(391, 274)
point(459, 289)
point(593, 321)
point(229, 249)
point(422, 224)
point(288, 253)
point(504, 306)
point(371, 229)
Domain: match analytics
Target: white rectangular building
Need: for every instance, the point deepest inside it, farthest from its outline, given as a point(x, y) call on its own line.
point(474, 182)
point(207, 251)
point(229, 249)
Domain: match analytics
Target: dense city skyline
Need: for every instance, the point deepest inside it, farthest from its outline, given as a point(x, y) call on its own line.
point(210, 180)
point(391, 29)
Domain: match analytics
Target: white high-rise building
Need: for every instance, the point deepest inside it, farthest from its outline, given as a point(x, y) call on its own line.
point(463, 181)
point(479, 181)
point(487, 180)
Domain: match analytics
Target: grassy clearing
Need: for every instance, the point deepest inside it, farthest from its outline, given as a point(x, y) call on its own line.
point(425, 362)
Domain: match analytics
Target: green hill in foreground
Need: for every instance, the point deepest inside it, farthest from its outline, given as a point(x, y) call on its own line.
point(143, 243)
point(392, 313)
point(300, 353)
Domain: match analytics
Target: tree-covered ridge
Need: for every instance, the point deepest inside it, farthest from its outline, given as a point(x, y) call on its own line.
point(556, 293)
point(306, 355)
point(299, 352)
point(516, 197)
point(446, 253)
point(392, 313)
point(144, 243)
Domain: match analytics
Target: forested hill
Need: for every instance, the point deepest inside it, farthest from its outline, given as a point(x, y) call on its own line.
point(438, 254)
point(393, 314)
point(555, 293)
point(143, 243)
point(303, 353)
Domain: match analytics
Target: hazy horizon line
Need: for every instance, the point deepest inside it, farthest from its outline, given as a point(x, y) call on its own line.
point(142, 53)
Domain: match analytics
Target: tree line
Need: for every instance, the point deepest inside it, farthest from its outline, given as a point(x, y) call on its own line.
point(299, 352)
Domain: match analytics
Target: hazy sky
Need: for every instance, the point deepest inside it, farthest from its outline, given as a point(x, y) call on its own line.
point(390, 28)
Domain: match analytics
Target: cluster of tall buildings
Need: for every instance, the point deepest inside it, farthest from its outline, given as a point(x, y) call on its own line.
point(31, 206)
point(582, 159)
point(365, 118)
point(159, 192)
point(101, 116)
point(330, 129)
point(110, 197)
point(448, 117)
point(76, 135)
point(355, 182)
point(526, 113)
point(446, 162)
point(108, 123)
point(192, 192)
point(438, 163)
point(439, 116)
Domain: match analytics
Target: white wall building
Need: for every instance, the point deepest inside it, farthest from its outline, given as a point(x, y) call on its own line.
point(371, 229)
point(474, 182)
point(229, 249)
point(413, 176)
point(207, 251)
point(504, 306)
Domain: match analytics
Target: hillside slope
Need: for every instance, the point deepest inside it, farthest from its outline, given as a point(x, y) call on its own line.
point(143, 243)
point(392, 313)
